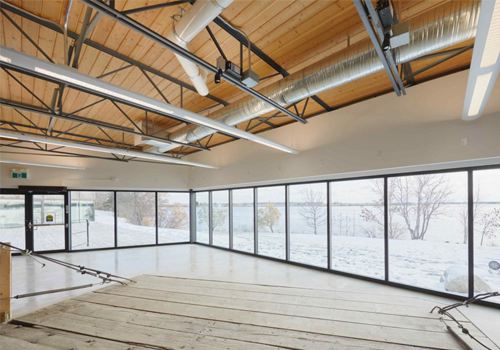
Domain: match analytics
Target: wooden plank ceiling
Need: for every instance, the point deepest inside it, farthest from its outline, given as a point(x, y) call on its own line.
point(294, 33)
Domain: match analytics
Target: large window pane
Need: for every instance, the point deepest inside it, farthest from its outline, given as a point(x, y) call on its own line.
point(428, 241)
point(357, 227)
point(202, 220)
point(271, 220)
point(487, 232)
point(92, 220)
point(220, 218)
point(136, 218)
point(243, 220)
point(173, 217)
point(12, 220)
point(308, 224)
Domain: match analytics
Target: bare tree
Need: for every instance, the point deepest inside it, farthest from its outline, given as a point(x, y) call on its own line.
point(218, 216)
point(419, 199)
point(269, 216)
point(314, 210)
point(172, 216)
point(137, 208)
point(376, 215)
point(463, 215)
point(490, 224)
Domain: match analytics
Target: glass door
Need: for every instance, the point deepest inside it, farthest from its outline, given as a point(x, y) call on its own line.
point(48, 223)
point(12, 219)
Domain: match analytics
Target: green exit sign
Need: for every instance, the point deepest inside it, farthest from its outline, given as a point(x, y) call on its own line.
point(19, 174)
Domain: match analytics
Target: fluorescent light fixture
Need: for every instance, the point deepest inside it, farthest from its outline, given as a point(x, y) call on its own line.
point(46, 165)
point(33, 65)
point(10, 137)
point(480, 88)
point(121, 152)
point(485, 64)
point(492, 46)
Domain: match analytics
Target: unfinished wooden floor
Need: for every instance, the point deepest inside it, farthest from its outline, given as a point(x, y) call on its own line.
point(162, 312)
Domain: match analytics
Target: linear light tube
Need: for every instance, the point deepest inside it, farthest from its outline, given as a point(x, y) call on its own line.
point(492, 46)
point(127, 153)
point(485, 64)
point(46, 165)
point(480, 88)
point(71, 76)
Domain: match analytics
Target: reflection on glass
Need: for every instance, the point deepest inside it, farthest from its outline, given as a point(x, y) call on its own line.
point(243, 220)
point(92, 220)
point(486, 232)
point(308, 224)
point(220, 218)
point(271, 220)
point(202, 220)
point(48, 222)
point(427, 236)
point(357, 226)
point(136, 218)
point(12, 218)
point(173, 217)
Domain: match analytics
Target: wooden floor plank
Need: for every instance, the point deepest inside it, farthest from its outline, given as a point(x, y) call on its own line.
point(326, 303)
point(140, 335)
point(265, 335)
point(313, 312)
point(60, 340)
point(314, 293)
point(357, 331)
point(11, 343)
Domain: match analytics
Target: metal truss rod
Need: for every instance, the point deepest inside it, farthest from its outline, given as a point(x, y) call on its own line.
point(44, 130)
point(376, 44)
point(155, 37)
point(434, 64)
point(126, 116)
point(156, 6)
point(78, 119)
point(155, 86)
point(114, 71)
point(57, 152)
point(81, 37)
point(55, 27)
point(26, 36)
point(214, 39)
point(261, 54)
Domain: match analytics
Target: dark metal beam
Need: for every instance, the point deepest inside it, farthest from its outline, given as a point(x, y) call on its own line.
point(156, 6)
point(81, 37)
point(160, 40)
point(261, 54)
point(363, 14)
point(92, 122)
point(55, 27)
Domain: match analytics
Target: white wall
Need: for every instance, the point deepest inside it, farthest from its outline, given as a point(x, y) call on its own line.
point(386, 132)
point(97, 175)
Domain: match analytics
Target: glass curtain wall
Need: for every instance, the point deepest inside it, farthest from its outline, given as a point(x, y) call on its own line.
point(136, 218)
point(92, 220)
point(357, 227)
point(173, 217)
point(308, 224)
point(428, 245)
point(271, 229)
point(486, 231)
point(243, 220)
point(12, 216)
point(220, 218)
point(202, 218)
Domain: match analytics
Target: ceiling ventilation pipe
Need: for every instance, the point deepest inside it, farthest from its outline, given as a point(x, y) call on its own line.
point(444, 26)
point(187, 27)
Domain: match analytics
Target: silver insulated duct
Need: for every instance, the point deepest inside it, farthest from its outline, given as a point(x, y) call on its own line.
point(442, 27)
